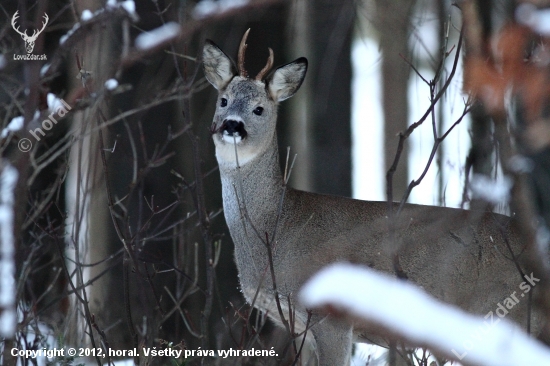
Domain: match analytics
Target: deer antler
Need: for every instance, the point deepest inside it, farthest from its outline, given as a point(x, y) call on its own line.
point(267, 66)
point(13, 19)
point(242, 49)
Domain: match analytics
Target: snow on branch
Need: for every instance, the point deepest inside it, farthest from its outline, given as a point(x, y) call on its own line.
point(8, 315)
point(111, 84)
point(537, 19)
point(493, 191)
point(158, 36)
point(16, 124)
point(205, 8)
point(404, 311)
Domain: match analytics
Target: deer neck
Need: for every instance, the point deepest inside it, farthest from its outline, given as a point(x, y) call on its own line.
point(256, 186)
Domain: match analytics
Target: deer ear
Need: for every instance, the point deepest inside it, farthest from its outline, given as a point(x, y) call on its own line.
point(287, 79)
point(218, 67)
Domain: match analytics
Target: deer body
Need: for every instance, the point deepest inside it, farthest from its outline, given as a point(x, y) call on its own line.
point(457, 256)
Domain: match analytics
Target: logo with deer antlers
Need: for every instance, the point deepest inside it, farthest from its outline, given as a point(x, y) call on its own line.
point(29, 40)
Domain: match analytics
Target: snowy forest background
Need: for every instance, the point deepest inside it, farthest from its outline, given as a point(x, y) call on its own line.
point(111, 227)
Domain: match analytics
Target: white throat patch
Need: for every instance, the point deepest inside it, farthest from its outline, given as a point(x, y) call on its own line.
point(226, 154)
point(231, 139)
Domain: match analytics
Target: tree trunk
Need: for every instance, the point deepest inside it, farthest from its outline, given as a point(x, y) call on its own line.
point(320, 130)
point(393, 23)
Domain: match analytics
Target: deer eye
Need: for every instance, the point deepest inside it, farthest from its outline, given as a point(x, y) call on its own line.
point(224, 102)
point(258, 111)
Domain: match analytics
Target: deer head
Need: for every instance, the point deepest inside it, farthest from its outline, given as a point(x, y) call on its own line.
point(246, 111)
point(29, 40)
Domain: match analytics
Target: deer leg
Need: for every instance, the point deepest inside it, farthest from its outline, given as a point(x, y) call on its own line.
point(333, 339)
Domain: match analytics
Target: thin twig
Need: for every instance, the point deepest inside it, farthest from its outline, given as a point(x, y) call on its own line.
point(403, 135)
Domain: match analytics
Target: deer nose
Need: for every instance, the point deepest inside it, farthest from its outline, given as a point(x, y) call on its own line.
point(232, 127)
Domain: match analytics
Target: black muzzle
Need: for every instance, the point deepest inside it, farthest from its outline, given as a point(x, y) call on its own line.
point(234, 128)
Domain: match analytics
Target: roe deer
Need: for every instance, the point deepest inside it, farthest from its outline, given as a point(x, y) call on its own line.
point(461, 257)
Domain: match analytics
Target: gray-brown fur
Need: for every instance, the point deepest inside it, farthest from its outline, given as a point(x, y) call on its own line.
point(457, 256)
